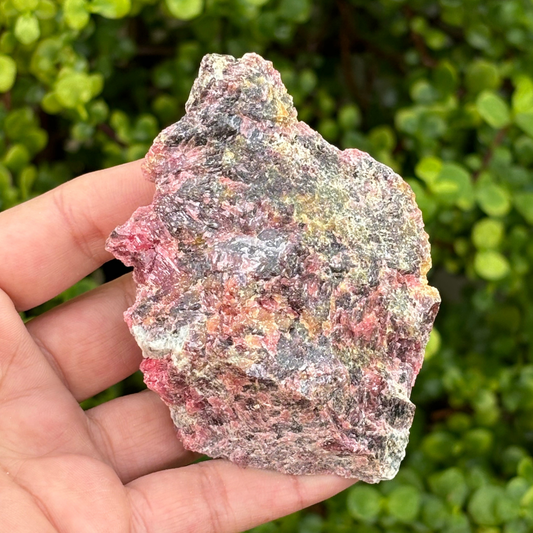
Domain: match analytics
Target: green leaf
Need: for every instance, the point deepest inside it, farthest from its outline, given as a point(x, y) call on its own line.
point(349, 117)
point(308, 80)
point(25, 5)
point(482, 75)
point(524, 149)
point(76, 13)
point(35, 140)
point(8, 42)
point(295, 10)
point(436, 39)
point(493, 199)
point(45, 58)
point(364, 503)
point(454, 186)
point(523, 95)
point(17, 157)
point(517, 526)
point(404, 502)
point(8, 73)
point(328, 128)
point(257, 3)
point(517, 487)
point(479, 36)
point(525, 469)
point(96, 84)
point(450, 485)
point(18, 122)
point(482, 505)
point(434, 513)
point(51, 104)
point(525, 122)
point(487, 233)
point(73, 90)
point(428, 169)
point(527, 499)
point(523, 202)
point(433, 345)
point(110, 9)
point(185, 9)
point(27, 28)
point(507, 509)
point(493, 109)
point(438, 445)
point(382, 138)
point(423, 92)
point(491, 265)
point(431, 126)
point(5, 179)
point(311, 523)
point(26, 180)
point(445, 78)
point(46, 9)
point(478, 441)
point(407, 120)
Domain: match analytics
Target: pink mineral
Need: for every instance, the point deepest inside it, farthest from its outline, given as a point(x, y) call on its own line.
point(282, 302)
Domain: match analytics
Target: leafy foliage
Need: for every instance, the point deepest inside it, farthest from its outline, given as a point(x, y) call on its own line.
point(441, 90)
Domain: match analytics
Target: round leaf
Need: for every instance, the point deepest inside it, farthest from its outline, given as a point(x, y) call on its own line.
point(438, 445)
point(482, 75)
point(524, 150)
point(295, 10)
point(493, 199)
point(434, 513)
point(8, 73)
point(493, 109)
point(450, 485)
point(46, 9)
point(523, 202)
point(73, 90)
point(25, 5)
point(27, 28)
point(478, 441)
point(17, 157)
point(525, 122)
point(185, 9)
point(349, 117)
point(76, 13)
point(487, 233)
point(364, 503)
point(453, 185)
point(525, 469)
point(482, 505)
point(428, 169)
point(523, 95)
point(404, 503)
point(111, 9)
point(491, 265)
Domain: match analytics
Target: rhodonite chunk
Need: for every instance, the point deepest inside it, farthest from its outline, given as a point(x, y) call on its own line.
point(282, 302)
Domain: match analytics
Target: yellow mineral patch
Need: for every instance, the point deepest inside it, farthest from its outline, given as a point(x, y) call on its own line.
point(282, 112)
point(312, 324)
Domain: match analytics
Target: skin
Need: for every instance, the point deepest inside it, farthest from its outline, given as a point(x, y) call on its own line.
point(117, 467)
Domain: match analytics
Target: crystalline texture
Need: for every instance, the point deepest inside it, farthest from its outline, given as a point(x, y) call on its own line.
point(282, 302)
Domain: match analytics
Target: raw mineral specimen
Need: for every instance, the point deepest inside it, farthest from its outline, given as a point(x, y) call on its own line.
point(282, 303)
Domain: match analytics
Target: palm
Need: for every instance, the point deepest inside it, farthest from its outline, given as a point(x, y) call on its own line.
point(115, 467)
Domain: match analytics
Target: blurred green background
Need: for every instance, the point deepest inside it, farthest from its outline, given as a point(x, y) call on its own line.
point(442, 91)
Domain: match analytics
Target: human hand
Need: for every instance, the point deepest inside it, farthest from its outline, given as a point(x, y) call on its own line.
point(117, 467)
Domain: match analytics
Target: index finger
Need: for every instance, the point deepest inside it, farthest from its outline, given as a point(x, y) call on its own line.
point(51, 242)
